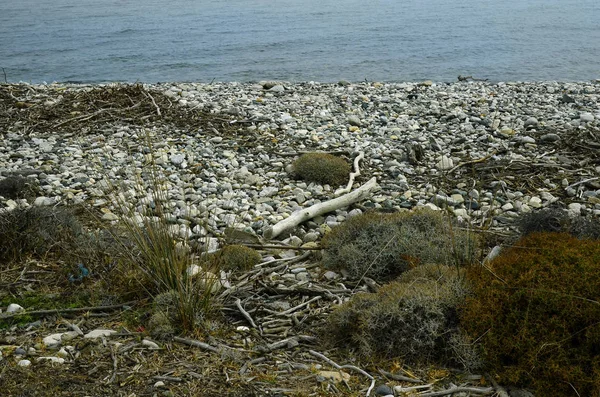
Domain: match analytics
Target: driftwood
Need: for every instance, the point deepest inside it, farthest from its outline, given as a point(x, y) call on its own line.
point(353, 175)
point(318, 209)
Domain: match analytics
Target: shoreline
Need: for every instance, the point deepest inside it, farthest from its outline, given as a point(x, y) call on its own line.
point(480, 149)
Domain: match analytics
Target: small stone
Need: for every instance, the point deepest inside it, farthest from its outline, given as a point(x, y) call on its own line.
point(24, 363)
point(310, 237)
point(586, 117)
point(531, 122)
point(159, 384)
point(527, 139)
point(177, 159)
point(53, 360)
point(354, 120)
point(109, 216)
point(43, 201)
point(13, 307)
point(384, 390)
point(150, 345)
point(506, 131)
point(62, 353)
point(277, 88)
point(329, 275)
point(444, 163)
point(98, 333)
point(535, 202)
point(19, 351)
point(574, 209)
point(549, 138)
point(507, 207)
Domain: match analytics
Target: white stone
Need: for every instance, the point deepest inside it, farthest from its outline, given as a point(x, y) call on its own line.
point(444, 163)
point(24, 363)
point(43, 201)
point(53, 360)
point(457, 198)
point(150, 345)
point(62, 353)
point(535, 202)
point(13, 307)
point(574, 209)
point(462, 213)
point(586, 117)
point(277, 88)
point(507, 207)
point(177, 159)
point(98, 333)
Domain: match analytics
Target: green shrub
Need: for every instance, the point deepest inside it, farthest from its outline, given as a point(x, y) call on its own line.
point(18, 187)
point(414, 318)
point(236, 257)
point(38, 231)
point(535, 311)
point(382, 246)
point(322, 168)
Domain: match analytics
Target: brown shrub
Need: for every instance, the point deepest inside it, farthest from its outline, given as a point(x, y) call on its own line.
point(536, 314)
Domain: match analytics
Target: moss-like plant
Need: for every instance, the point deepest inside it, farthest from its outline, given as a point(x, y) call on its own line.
point(236, 257)
point(38, 231)
point(557, 220)
point(322, 168)
point(414, 318)
point(18, 187)
point(382, 246)
point(536, 312)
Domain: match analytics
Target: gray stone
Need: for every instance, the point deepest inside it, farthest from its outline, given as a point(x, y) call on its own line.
point(354, 120)
point(19, 351)
point(177, 159)
point(384, 390)
point(531, 122)
point(444, 163)
point(586, 117)
point(549, 138)
point(277, 88)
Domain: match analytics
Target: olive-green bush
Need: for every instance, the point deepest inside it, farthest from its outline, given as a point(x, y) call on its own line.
point(414, 318)
point(382, 246)
point(235, 257)
point(18, 187)
point(38, 231)
point(557, 220)
point(322, 168)
point(535, 311)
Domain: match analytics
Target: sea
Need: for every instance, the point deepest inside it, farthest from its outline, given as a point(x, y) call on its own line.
point(93, 41)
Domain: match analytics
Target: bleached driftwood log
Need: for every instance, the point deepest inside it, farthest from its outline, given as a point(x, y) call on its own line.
point(353, 175)
point(318, 209)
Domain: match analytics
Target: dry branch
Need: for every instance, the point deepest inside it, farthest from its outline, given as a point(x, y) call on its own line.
point(318, 209)
point(353, 175)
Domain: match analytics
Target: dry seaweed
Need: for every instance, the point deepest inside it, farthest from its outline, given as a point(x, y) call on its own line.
point(30, 109)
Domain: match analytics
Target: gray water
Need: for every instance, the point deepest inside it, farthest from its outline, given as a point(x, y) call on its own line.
point(299, 40)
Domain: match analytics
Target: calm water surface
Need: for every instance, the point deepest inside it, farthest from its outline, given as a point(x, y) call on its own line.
point(299, 40)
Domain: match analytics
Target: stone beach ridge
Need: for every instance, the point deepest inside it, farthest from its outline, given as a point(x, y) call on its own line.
point(223, 152)
point(477, 148)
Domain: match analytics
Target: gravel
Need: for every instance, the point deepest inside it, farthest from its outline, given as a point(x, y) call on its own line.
point(484, 151)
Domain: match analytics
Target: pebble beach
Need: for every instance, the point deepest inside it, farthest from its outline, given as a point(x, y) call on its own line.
point(221, 156)
point(482, 150)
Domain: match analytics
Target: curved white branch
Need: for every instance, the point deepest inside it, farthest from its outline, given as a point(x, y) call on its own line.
point(361, 155)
